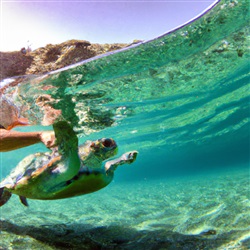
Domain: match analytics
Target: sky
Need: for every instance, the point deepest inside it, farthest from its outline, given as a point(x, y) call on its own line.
point(38, 23)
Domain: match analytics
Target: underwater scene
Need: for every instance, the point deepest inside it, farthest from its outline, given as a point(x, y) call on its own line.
point(181, 101)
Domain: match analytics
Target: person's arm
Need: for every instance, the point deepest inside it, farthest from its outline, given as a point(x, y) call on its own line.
point(11, 140)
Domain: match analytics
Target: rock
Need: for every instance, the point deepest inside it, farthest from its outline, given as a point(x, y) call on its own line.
point(14, 64)
point(51, 57)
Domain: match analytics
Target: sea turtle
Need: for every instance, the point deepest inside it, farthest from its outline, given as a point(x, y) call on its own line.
point(66, 172)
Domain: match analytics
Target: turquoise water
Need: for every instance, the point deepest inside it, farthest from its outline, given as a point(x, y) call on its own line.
point(182, 101)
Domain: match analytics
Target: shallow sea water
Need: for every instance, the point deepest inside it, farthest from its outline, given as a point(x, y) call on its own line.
point(167, 213)
point(182, 101)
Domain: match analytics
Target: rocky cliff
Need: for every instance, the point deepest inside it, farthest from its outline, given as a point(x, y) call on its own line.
point(51, 57)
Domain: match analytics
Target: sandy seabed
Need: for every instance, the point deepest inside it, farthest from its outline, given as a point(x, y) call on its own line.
point(209, 211)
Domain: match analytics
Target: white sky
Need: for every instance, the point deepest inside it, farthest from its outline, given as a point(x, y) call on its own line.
point(51, 21)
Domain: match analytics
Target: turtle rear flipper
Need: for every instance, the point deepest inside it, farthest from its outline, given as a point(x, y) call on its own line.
point(4, 196)
point(23, 200)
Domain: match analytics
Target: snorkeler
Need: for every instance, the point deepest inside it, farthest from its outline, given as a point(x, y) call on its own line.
point(11, 140)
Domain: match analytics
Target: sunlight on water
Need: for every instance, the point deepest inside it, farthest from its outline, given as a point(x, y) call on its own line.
point(182, 101)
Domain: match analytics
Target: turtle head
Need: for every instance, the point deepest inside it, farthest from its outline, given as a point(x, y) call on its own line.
point(104, 148)
point(99, 150)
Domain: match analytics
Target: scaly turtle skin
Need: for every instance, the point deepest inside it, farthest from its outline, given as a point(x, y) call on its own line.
point(66, 172)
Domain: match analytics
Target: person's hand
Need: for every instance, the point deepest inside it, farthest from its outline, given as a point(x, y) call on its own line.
point(48, 138)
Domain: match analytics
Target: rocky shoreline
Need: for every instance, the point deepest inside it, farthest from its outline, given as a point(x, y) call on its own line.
point(52, 57)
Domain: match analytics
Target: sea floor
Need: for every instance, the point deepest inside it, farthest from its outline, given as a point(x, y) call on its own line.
point(209, 211)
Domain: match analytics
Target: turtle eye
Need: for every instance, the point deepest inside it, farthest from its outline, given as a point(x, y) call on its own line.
point(108, 143)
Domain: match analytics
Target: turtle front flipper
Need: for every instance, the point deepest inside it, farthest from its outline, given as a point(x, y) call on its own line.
point(66, 138)
point(127, 158)
point(66, 164)
point(67, 142)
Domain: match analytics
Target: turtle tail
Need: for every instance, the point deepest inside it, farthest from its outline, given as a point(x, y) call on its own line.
point(4, 196)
